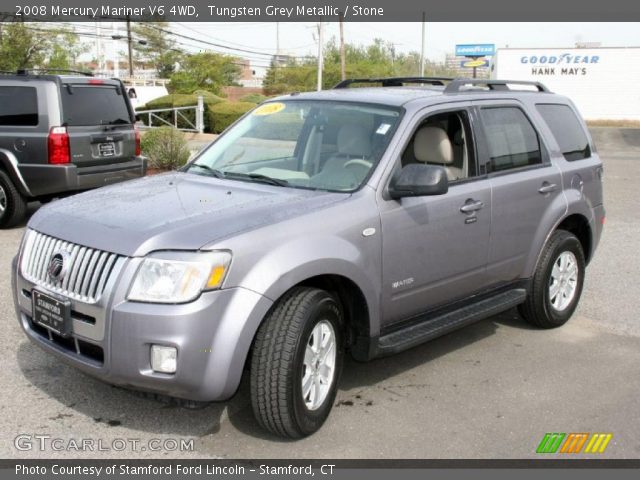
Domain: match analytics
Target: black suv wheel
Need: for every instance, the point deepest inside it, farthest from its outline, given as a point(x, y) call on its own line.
point(12, 206)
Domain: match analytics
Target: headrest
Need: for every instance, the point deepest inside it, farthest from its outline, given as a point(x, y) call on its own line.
point(354, 140)
point(432, 145)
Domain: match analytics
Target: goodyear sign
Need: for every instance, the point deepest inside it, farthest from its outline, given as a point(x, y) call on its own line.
point(480, 62)
point(475, 50)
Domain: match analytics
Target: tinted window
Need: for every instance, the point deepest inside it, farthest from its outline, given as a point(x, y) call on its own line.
point(19, 106)
point(567, 131)
point(93, 105)
point(513, 142)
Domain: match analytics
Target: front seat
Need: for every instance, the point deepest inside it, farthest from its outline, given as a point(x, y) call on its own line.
point(432, 145)
point(354, 145)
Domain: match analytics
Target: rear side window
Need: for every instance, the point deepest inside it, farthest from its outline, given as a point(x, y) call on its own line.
point(18, 106)
point(512, 140)
point(84, 105)
point(567, 131)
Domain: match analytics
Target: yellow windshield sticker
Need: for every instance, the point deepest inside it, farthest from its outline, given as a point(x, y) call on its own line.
point(269, 109)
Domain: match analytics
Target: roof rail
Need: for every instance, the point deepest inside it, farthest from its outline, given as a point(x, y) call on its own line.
point(395, 81)
point(48, 70)
point(457, 85)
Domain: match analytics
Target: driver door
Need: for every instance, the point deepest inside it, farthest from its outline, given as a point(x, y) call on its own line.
point(434, 252)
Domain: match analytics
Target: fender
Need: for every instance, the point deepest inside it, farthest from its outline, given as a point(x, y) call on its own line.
point(575, 204)
point(302, 258)
point(9, 164)
point(556, 211)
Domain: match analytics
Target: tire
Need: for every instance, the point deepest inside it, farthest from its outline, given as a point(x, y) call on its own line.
point(554, 293)
point(13, 206)
point(278, 363)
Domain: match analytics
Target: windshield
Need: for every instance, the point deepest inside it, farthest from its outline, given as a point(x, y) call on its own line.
point(304, 144)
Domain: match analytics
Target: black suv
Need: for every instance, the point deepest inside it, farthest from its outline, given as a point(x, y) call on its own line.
point(60, 134)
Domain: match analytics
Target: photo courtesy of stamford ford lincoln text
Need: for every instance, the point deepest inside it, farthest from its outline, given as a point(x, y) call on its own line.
point(336, 239)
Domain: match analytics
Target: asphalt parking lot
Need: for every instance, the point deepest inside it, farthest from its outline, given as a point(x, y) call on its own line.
point(491, 390)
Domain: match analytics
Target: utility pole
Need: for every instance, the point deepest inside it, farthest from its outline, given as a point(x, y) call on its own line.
point(98, 48)
point(130, 46)
point(422, 49)
point(320, 55)
point(343, 60)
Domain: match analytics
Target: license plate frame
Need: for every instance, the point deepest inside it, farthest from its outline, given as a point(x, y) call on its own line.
point(107, 149)
point(51, 313)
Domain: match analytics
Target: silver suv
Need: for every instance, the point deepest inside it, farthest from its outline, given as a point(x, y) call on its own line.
point(360, 221)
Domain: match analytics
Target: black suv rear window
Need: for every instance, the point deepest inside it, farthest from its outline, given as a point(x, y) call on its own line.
point(93, 105)
point(567, 131)
point(19, 106)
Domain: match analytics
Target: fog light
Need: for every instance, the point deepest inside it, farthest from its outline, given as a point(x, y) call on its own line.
point(164, 359)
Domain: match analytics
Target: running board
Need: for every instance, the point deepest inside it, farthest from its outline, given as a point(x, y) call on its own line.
point(431, 327)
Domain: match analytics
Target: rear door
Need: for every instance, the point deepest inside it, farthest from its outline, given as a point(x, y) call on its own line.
point(99, 121)
point(524, 184)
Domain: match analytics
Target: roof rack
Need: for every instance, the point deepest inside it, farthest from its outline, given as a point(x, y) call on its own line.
point(48, 70)
point(395, 81)
point(458, 84)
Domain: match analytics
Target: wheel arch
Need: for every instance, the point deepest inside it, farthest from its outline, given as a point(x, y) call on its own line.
point(9, 165)
point(578, 225)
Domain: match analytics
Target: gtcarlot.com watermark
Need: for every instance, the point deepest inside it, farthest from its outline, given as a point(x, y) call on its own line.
point(26, 442)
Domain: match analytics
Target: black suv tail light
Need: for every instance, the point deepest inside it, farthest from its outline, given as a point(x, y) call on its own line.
point(59, 152)
point(138, 149)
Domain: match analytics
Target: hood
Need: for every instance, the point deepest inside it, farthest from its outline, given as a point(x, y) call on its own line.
point(174, 211)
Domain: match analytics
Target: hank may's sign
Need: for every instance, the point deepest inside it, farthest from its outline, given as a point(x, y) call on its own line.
point(560, 64)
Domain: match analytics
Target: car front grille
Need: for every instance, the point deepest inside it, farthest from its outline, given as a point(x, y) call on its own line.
point(86, 272)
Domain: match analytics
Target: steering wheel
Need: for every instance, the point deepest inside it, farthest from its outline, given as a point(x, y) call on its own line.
point(360, 166)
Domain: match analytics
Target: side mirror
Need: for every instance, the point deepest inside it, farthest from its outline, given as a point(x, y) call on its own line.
point(417, 180)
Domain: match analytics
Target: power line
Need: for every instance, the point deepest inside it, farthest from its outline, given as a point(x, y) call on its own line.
point(213, 44)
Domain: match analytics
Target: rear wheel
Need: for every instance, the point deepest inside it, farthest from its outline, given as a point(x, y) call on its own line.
point(557, 282)
point(296, 363)
point(12, 205)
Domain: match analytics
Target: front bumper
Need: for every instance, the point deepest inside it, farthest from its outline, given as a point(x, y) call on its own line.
point(213, 336)
point(52, 179)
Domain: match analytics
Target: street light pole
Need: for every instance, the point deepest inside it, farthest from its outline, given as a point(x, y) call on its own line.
point(422, 48)
point(320, 57)
point(130, 46)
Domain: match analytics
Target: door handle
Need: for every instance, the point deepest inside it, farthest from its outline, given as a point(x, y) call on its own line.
point(471, 206)
point(547, 188)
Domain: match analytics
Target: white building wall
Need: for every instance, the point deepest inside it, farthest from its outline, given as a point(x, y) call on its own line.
point(604, 83)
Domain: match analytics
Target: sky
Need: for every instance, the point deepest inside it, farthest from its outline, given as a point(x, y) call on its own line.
point(300, 39)
point(441, 37)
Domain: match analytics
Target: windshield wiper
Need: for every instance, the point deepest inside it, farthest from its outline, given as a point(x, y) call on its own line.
point(258, 177)
point(215, 172)
point(117, 121)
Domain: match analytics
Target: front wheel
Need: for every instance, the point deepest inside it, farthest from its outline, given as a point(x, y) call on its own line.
point(557, 282)
point(296, 363)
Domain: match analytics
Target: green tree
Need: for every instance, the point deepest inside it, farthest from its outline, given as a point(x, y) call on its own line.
point(159, 51)
point(379, 59)
point(64, 51)
point(23, 46)
point(207, 71)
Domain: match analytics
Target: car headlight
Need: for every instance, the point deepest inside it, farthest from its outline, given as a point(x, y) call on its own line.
point(178, 277)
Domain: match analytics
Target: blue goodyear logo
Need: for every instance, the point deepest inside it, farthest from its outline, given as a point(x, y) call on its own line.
point(562, 59)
